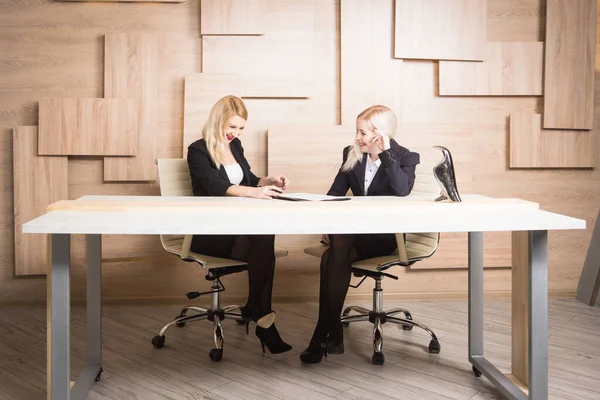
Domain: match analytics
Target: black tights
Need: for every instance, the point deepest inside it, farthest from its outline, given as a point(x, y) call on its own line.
point(336, 271)
point(335, 277)
point(259, 252)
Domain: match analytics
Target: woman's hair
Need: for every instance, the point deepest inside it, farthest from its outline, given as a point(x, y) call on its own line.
point(377, 117)
point(219, 116)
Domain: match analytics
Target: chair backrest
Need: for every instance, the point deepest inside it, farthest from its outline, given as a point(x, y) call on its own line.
point(413, 247)
point(174, 180)
point(425, 183)
point(174, 177)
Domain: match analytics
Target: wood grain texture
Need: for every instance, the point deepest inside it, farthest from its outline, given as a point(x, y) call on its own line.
point(123, 1)
point(278, 64)
point(569, 64)
point(510, 69)
point(366, 41)
point(441, 29)
point(516, 20)
point(131, 71)
point(38, 182)
point(232, 17)
point(87, 127)
point(202, 91)
point(533, 147)
point(520, 306)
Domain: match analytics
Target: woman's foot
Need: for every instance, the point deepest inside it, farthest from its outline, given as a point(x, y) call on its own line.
point(270, 337)
point(315, 352)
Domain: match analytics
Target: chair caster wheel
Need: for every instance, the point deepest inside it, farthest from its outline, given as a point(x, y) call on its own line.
point(345, 324)
point(407, 327)
point(97, 378)
point(378, 358)
point(180, 324)
point(434, 347)
point(158, 342)
point(216, 355)
point(476, 372)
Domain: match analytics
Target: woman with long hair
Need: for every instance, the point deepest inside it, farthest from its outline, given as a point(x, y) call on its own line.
point(218, 167)
point(374, 165)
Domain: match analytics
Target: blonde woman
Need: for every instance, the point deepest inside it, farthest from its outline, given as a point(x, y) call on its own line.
point(218, 168)
point(375, 165)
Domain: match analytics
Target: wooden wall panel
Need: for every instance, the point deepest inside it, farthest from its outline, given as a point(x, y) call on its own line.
point(87, 127)
point(569, 64)
point(131, 71)
point(202, 91)
point(38, 182)
point(278, 64)
point(366, 41)
point(124, 1)
point(516, 20)
point(533, 147)
point(510, 69)
point(441, 29)
point(232, 17)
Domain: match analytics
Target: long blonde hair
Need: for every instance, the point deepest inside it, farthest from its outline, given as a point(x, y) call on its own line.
point(377, 117)
point(220, 113)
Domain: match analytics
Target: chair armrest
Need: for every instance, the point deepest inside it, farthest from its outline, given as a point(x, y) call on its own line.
point(185, 247)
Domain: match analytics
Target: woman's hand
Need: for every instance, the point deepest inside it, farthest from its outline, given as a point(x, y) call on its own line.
point(264, 192)
point(281, 181)
point(381, 140)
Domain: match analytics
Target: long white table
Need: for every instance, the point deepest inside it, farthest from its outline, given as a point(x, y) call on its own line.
point(123, 215)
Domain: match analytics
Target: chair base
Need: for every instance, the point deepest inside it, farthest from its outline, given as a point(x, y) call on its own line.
point(377, 316)
point(215, 313)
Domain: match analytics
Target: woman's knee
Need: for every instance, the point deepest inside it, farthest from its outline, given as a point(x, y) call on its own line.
point(264, 242)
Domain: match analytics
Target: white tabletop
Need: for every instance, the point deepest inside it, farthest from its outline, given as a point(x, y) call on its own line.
point(228, 215)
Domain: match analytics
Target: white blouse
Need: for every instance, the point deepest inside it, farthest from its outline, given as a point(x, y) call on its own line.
point(370, 171)
point(235, 173)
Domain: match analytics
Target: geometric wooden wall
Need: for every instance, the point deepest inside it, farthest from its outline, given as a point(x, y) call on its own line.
point(232, 17)
point(570, 53)
point(534, 147)
point(278, 64)
point(441, 29)
point(510, 69)
point(38, 182)
point(87, 127)
point(131, 71)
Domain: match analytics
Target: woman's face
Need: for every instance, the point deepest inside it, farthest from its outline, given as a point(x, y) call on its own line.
point(233, 128)
point(364, 136)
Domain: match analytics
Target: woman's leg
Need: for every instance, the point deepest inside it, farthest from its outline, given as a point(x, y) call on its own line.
point(259, 252)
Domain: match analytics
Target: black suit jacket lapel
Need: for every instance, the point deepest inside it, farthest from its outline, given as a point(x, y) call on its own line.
point(377, 180)
point(241, 160)
point(359, 171)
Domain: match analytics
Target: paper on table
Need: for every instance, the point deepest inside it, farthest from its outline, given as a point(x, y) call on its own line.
point(310, 197)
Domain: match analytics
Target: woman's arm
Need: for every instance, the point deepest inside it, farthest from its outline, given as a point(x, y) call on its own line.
point(204, 174)
point(400, 172)
point(340, 184)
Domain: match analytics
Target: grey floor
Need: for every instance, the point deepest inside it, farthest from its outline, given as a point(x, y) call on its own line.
point(182, 369)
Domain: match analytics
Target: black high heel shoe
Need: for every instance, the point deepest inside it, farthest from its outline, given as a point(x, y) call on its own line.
point(270, 337)
point(315, 352)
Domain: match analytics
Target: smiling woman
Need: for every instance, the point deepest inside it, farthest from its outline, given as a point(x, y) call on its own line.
point(218, 167)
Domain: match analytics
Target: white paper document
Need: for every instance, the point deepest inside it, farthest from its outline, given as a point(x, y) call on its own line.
point(309, 197)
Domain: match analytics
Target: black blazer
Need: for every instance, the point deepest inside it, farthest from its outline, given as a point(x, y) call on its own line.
point(395, 176)
point(207, 179)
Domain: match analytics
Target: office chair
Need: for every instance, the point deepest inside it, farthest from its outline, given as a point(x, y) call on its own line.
point(174, 179)
point(412, 247)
